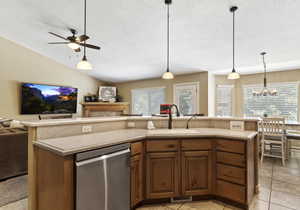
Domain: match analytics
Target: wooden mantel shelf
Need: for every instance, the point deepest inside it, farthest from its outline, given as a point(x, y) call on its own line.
point(89, 107)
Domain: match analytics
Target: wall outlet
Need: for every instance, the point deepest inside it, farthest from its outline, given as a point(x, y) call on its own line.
point(131, 125)
point(87, 129)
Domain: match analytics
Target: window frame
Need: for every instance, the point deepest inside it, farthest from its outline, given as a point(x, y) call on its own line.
point(145, 89)
point(231, 100)
point(188, 84)
point(273, 83)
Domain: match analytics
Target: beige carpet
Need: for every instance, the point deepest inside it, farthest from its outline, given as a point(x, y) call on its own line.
point(13, 190)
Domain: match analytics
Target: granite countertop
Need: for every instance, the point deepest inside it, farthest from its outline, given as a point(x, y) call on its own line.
point(74, 144)
point(80, 120)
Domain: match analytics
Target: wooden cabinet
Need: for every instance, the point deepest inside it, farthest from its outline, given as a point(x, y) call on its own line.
point(196, 173)
point(136, 180)
point(162, 175)
point(137, 169)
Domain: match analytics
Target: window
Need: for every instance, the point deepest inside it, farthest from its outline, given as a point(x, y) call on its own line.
point(285, 104)
point(147, 101)
point(224, 100)
point(187, 98)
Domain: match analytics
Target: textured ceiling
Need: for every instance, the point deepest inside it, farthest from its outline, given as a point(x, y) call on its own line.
point(132, 34)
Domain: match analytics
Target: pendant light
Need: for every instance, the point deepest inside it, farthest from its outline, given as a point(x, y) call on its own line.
point(233, 74)
point(168, 74)
point(84, 64)
point(265, 91)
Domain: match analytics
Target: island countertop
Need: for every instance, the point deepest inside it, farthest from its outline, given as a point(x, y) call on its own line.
point(74, 144)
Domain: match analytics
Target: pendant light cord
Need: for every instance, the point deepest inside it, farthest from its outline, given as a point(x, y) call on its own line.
point(265, 69)
point(168, 38)
point(233, 42)
point(84, 52)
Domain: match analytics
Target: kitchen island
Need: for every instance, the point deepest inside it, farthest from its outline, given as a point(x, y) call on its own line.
point(207, 161)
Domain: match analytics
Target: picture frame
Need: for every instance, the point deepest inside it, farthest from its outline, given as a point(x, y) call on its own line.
point(107, 93)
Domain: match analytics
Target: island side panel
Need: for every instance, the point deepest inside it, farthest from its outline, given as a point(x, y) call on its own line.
point(32, 192)
point(55, 181)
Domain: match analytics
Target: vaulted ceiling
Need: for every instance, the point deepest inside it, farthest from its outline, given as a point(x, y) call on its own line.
point(132, 34)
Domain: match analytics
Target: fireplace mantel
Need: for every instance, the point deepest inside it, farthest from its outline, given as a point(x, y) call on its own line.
point(89, 107)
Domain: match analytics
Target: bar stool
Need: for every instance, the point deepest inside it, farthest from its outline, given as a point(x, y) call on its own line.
point(273, 135)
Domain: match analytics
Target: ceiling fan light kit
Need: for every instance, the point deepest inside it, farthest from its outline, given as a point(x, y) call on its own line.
point(265, 91)
point(168, 75)
point(234, 74)
point(73, 45)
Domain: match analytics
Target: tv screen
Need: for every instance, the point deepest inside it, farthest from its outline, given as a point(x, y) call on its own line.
point(48, 99)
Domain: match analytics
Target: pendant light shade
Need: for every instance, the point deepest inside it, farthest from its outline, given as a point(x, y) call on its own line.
point(265, 91)
point(84, 64)
point(234, 74)
point(168, 74)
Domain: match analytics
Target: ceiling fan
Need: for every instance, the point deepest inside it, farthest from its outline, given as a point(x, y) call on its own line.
point(73, 41)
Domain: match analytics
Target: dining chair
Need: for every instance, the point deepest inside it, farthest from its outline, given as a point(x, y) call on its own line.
point(273, 135)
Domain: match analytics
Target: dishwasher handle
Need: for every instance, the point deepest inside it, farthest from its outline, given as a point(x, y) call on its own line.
point(103, 157)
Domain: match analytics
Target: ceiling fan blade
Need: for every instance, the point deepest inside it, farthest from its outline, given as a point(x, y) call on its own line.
point(59, 36)
point(58, 42)
point(90, 46)
point(82, 38)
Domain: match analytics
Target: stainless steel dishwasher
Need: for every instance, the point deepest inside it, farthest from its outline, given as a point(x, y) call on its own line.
point(103, 179)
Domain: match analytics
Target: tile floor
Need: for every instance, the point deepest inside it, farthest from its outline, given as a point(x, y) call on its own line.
point(280, 190)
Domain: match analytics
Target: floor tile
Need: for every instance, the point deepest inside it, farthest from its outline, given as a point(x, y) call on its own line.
point(202, 205)
point(286, 170)
point(19, 205)
point(291, 163)
point(174, 206)
point(265, 172)
point(287, 175)
point(265, 182)
point(259, 205)
point(264, 194)
point(285, 199)
point(286, 187)
point(152, 207)
point(267, 163)
point(278, 207)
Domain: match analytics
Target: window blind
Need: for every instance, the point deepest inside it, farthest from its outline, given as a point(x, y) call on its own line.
point(285, 104)
point(147, 101)
point(224, 100)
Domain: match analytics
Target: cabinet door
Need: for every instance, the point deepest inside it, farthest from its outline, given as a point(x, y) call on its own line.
point(162, 175)
point(196, 172)
point(136, 179)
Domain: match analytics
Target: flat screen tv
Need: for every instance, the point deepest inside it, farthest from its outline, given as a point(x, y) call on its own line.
point(48, 99)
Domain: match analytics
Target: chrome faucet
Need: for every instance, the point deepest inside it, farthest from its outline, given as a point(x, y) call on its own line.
point(170, 115)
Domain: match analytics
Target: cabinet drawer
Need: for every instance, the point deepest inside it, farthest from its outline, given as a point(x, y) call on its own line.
point(136, 148)
point(231, 146)
point(231, 174)
point(162, 145)
point(232, 159)
point(195, 144)
point(231, 191)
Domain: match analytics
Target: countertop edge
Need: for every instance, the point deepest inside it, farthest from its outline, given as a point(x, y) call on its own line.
point(60, 122)
point(138, 137)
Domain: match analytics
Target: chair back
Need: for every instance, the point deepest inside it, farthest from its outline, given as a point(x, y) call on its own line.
point(272, 126)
